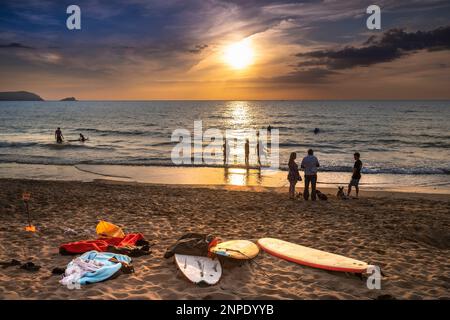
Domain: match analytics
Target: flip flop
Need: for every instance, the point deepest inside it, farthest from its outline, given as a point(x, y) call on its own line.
point(30, 266)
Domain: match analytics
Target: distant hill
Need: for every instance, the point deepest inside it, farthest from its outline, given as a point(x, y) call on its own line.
point(19, 96)
point(69, 99)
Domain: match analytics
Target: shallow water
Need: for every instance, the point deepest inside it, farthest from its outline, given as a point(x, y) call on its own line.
point(408, 138)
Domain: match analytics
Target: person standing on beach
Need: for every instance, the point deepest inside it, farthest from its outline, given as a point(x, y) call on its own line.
point(225, 152)
point(293, 175)
point(247, 151)
point(58, 135)
point(258, 148)
point(356, 176)
point(310, 164)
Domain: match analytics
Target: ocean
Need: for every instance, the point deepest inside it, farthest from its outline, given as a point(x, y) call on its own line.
point(404, 138)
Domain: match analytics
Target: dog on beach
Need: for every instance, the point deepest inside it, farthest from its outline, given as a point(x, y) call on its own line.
point(341, 194)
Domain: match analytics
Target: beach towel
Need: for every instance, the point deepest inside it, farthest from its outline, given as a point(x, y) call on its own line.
point(93, 267)
point(102, 245)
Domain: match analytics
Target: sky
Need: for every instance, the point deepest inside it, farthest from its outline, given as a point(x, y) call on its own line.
point(177, 49)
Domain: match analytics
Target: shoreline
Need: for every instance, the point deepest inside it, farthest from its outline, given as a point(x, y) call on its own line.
point(407, 238)
point(331, 192)
point(215, 176)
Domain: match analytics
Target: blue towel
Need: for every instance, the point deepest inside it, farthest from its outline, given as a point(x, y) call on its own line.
point(109, 268)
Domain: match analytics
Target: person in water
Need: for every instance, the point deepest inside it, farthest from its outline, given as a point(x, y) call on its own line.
point(247, 152)
point(82, 138)
point(58, 135)
point(356, 176)
point(293, 175)
point(310, 165)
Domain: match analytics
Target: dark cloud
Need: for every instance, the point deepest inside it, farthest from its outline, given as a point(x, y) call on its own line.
point(198, 48)
point(309, 76)
point(392, 45)
point(14, 45)
point(313, 75)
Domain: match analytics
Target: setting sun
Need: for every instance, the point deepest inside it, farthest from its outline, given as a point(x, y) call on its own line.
point(239, 55)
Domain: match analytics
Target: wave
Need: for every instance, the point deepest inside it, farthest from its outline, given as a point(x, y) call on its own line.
point(162, 162)
point(53, 146)
point(6, 144)
point(133, 132)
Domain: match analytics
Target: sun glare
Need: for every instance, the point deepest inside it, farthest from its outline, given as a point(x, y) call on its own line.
point(239, 55)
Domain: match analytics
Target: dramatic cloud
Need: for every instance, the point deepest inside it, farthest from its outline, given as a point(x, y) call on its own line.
point(392, 45)
point(174, 48)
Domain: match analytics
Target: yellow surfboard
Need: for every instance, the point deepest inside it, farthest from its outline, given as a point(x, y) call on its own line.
point(311, 257)
point(236, 249)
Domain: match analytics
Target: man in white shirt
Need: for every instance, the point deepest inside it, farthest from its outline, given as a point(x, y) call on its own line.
point(310, 165)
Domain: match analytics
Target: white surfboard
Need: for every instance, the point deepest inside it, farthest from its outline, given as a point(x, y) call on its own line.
point(311, 257)
point(199, 269)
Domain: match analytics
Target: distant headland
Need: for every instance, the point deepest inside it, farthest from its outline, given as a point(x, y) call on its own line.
point(26, 96)
point(19, 96)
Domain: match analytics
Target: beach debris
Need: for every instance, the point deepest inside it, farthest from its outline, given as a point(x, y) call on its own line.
point(26, 196)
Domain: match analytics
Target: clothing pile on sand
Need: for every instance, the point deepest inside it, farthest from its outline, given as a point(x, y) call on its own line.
point(94, 267)
point(103, 258)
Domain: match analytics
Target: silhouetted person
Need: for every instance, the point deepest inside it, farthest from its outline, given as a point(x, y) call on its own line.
point(82, 138)
point(258, 148)
point(247, 151)
point(310, 165)
point(356, 175)
point(225, 152)
point(59, 136)
point(293, 175)
point(316, 130)
point(269, 128)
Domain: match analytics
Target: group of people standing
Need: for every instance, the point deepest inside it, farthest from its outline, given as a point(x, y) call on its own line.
point(310, 165)
point(259, 149)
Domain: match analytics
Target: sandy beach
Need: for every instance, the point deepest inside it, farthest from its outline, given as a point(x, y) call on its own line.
point(406, 234)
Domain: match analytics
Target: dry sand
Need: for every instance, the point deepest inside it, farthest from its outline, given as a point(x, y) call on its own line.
point(407, 235)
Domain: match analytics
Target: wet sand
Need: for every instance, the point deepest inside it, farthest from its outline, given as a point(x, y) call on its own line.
point(407, 235)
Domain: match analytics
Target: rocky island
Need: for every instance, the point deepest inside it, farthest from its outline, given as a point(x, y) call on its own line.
point(19, 96)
